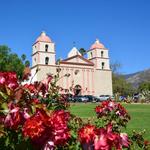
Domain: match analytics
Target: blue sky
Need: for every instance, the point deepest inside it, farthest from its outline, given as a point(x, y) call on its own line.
point(123, 26)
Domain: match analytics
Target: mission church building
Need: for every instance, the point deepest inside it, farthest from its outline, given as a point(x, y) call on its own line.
point(91, 76)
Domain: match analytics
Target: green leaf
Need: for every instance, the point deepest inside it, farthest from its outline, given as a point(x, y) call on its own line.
point(4, 106)
point(3, 95)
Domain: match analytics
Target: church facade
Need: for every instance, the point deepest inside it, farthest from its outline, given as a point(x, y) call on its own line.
point(83, 76)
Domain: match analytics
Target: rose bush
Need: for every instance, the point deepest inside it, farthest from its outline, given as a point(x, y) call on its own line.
point(35, 116)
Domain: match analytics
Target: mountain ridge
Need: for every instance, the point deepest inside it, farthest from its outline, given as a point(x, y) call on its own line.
point(138, 77)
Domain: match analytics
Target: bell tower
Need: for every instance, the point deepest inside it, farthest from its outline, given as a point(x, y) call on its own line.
point(43, 51)
point(98, 54)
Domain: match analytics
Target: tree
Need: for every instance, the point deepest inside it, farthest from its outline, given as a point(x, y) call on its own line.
point(27, 63)
point(23, 57)
point(144, 89)
point(82, 51)
point(115, 67)
point(120, 85)
point(11, 62)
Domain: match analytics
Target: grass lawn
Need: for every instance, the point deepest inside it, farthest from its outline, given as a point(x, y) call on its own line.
point(140, 115)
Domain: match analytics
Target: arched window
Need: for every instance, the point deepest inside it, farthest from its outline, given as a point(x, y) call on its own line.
point(102, 53)
point(103, 65)
point(91, 55)
point(77, 90)
point(46, 48)
point(46, 60)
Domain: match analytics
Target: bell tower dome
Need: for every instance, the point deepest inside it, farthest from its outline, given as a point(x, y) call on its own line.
point(98, 54)
point(43, 51)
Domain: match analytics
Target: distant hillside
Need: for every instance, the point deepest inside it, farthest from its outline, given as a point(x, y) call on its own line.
point(136, 78)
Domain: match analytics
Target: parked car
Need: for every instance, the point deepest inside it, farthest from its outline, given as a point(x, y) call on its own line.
point(91, 98)
point(105, 97)
point(80, 98)
point(97, 99)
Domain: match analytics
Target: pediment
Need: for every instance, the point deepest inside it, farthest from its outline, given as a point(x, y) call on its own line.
point(77, 59)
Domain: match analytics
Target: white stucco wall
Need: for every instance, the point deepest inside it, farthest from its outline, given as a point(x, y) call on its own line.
point(106, 64)
point(51, 46)
point(103, 82)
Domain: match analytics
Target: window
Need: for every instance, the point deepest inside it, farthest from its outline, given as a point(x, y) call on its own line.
point(91, 54)
point(46, 60)
point(46, 48)
point(102, 53)
point(103, 65)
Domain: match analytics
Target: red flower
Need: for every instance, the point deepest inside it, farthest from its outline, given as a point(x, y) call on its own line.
point(121, 110)
point(36, 125)
point(101, 140)
point(59, 117)
point(33, 128)
point(16, 116)
point(58, 123)
point(106, 139)
point(35, 101)
point(2, 79)
point(13, 119)
point(99, 109)
point(9, 79)
point(31, 88)
point(25, 114)
point(110, 107)
point(87, 134)
point(40, 127)
point(124, 140)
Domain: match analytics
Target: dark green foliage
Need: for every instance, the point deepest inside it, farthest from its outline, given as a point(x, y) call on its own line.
point(120, 85)
point(144, 89)
point(82, 51)
point(11, 62)
point(27, 63)
point(15, 141)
